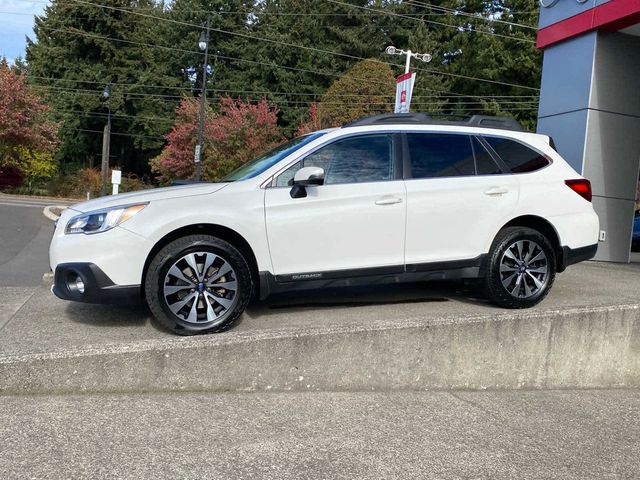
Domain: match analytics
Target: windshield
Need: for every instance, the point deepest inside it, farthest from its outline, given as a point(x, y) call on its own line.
point(268, 160)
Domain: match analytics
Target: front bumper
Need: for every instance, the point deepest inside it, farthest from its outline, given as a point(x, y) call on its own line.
point(97, 287)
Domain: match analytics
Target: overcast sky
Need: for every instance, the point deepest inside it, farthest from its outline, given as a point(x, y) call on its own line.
point(16, 21)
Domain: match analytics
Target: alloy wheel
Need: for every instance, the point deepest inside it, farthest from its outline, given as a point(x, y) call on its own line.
point(200, 287)
point(524, 269)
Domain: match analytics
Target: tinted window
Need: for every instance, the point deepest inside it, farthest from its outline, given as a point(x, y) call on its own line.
point(286, 177)
point(518, 157)
point(367, 158)
point(440, 155)
point(485, 165)
point(259, 165)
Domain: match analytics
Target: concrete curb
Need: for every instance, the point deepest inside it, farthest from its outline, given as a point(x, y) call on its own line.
point(47, 279)
point(595, 347)
point(47, 212)
point(41, 198)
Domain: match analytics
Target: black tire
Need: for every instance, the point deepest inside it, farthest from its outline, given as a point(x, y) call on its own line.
point(174, 252)
point(494, 287)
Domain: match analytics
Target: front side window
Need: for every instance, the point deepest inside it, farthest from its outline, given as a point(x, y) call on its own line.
point(440, 155)
point(268, 160)
point(518, 157)
point(365, 158)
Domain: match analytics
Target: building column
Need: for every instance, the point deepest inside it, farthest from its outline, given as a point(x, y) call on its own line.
point(589, 104)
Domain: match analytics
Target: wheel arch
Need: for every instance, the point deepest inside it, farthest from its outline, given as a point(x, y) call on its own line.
point(544, 227)
point(220, 231)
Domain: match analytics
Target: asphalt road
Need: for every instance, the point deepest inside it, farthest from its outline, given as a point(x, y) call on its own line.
point(25, 234)
point(414, 435)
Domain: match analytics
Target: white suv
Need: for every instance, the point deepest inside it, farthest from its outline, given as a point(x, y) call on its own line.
point(386, 199)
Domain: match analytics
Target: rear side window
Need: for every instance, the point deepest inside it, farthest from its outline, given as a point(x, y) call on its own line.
point(485, 164)
point(440, 155)
point(518, 157)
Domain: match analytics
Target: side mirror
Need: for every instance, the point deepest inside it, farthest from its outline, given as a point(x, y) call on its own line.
point(305, 177)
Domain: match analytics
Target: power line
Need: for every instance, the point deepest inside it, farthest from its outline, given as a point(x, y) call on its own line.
point(116, 133)
point(253, 37)
point(258, 92)
point(457, 27)
point(115, 115)
point(176, 98)
point(79, 32)
point(454, 12)
point(91, 35)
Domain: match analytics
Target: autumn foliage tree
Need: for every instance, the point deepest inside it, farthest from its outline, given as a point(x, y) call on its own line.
point(27, 137)
point(240, 132)
point(311, 122)
point(368, 88)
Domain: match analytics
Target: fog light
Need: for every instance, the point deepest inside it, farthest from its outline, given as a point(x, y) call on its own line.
point(75, 283)
point(79, 285)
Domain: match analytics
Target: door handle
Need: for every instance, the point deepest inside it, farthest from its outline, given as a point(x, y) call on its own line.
point(497, 191)
point(388, 200)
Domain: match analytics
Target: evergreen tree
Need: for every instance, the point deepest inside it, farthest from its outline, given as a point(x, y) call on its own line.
point(335, 37)
point(475, 40)
point(78, 49)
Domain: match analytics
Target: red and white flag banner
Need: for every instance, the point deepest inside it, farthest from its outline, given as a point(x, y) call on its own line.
point(404, 89)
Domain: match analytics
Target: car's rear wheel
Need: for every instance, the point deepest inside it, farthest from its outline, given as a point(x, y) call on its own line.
point(521, 268)
point(198, 284)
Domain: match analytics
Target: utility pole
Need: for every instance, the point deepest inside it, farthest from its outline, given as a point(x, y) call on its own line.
point(106, 141)
point(203, 44)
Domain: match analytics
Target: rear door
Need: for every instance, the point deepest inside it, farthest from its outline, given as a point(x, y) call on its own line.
point(457, 197)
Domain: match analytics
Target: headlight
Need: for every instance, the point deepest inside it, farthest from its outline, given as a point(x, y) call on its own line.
point(102, 220)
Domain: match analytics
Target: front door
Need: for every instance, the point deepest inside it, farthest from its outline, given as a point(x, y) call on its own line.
point(355, 221)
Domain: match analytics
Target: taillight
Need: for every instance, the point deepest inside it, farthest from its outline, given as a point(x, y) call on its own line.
point(581, 186)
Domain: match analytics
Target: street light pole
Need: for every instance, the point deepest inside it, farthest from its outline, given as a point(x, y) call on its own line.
point(204, 45)
point(425, 57)
point(106, 141)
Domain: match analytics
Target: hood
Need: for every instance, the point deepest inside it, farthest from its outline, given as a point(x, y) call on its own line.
point(148, 195)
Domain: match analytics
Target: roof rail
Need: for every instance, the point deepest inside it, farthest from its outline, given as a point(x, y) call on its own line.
point(483, 121)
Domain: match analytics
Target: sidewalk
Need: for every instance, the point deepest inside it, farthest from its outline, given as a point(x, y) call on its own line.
point(562, 435)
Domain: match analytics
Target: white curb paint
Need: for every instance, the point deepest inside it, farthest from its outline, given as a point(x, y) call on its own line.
point(47, 212)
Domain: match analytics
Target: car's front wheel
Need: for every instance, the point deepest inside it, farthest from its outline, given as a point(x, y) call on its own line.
point(521, 268)
point(198, 284)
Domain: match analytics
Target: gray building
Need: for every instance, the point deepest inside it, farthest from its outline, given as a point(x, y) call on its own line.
point(590, 104)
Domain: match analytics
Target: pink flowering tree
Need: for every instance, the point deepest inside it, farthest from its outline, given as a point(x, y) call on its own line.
point(28, 137)
point(242, 131)
point(311, 122)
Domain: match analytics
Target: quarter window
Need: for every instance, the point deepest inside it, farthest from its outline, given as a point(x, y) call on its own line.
point(485, 164)
point(365, 158)
point(517, 157)
point(440, 155)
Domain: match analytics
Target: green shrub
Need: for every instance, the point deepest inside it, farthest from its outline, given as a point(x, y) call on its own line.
point(76, 185)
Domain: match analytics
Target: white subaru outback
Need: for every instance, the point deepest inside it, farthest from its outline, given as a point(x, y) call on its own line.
point(386, 199)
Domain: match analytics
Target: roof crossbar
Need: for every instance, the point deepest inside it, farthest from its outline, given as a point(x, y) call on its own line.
point(482, 121)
